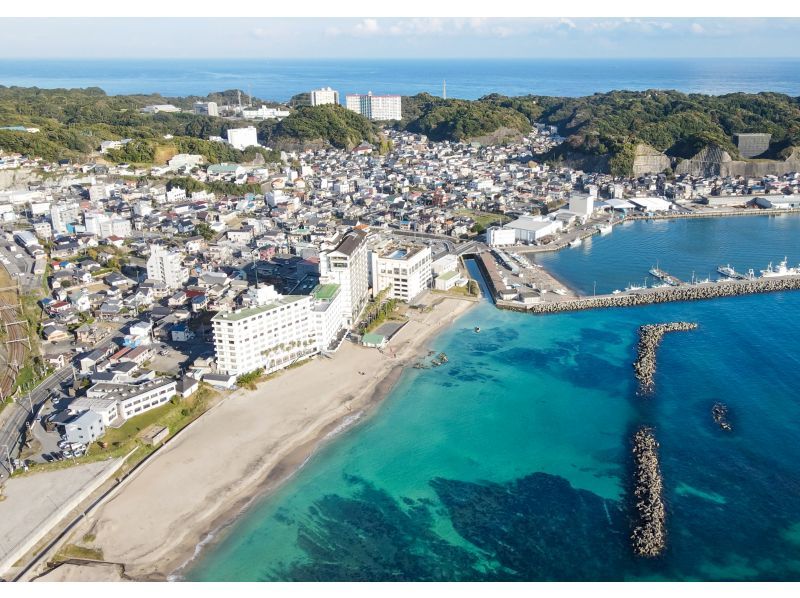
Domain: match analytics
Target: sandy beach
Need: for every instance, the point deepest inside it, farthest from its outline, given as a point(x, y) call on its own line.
point(246, 446)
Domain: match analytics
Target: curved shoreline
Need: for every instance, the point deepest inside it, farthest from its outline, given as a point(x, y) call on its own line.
point(200, 485)
point(286, 469)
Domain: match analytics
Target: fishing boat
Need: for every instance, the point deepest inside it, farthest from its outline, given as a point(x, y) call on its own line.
point(575, 243)
point(727, 271)
point(781, 269)
point(633, 287)
point(605, 228)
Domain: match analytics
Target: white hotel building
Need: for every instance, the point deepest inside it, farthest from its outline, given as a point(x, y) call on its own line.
point(404, 269)
point(272, 333)
point(347, 265)
point(326, 95)
point(375, 107)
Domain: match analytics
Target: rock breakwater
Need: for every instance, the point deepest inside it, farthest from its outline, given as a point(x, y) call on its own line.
point(650, 336)
point(728, 288)
point(649, 535)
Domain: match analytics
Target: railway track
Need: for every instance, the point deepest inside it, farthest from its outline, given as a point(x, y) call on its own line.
point(15, 342)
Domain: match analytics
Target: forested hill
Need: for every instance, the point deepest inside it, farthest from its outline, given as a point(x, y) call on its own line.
point(672, 122)
point(459, 120)
point(73, 122)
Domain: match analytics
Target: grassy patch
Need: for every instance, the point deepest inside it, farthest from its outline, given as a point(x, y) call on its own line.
point(73, 551)
point(484, 219)
point(164, 153)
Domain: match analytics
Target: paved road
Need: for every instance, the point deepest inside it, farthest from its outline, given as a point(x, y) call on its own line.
point(16, 415)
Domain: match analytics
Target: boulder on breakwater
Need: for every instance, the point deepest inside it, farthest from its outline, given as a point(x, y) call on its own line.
point(649, 535)
point(650, 336)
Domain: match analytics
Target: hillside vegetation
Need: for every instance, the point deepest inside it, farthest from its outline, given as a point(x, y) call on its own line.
point(672, 122)
point(328, 123)
point(73, 122)
point(608, 126)
point(459, 120)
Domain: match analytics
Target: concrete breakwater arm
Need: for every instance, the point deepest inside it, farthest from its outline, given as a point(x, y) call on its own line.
point(715, 290)
point(649, 532)
point(650, 336)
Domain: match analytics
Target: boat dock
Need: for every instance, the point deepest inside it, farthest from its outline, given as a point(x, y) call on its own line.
point(671, 280)
point(729, 272)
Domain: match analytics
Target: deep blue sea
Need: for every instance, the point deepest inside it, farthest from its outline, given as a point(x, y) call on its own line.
point(512, 461)
point(684, 248)
point(279, 80)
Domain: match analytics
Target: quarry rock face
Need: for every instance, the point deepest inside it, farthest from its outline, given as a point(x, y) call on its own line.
point(648, 160)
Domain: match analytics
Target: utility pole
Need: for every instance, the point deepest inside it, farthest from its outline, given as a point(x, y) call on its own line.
point(8, 458)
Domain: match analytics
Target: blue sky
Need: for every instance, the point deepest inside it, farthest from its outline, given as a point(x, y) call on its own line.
point(398, 38)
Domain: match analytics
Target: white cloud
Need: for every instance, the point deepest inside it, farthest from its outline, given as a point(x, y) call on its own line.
point(367, 27)
point(697, 28)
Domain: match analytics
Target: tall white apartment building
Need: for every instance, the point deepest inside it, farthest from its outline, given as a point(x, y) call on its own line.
point(165, 265)
point(347, 265)
point(243, 138)
point(274, 332)
point(208, 108)
point(375, 107)
point(326, 95)
point(327, 314)
point(103, 226)
point(403, 269)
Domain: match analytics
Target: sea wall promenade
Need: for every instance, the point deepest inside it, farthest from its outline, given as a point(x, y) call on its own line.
point(649, 531)
point(697, 292)
point(650, 336)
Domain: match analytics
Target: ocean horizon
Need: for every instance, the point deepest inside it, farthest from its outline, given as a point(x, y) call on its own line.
point(279, 80)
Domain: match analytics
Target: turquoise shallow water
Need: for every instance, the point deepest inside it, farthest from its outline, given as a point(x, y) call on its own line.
point(511, 461)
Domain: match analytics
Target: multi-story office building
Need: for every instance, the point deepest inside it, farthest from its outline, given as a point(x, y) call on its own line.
point(243, 138)
point(326, 95)
point(208, 108)
point(348, 266)
point(375, 107)
point(166, 266)
point(403, 269)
